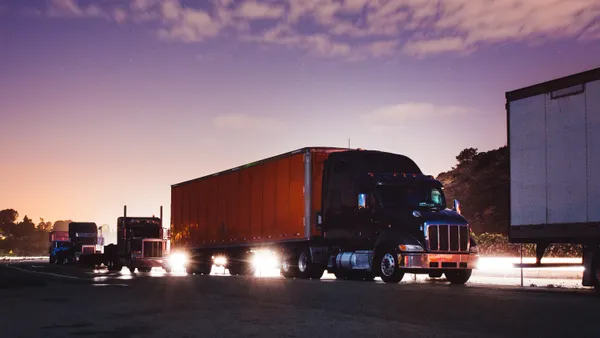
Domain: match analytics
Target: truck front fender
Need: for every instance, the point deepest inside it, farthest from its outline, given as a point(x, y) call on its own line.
point(391, 240)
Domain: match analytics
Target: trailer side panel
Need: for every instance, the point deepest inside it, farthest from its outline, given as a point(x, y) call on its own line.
point(554, 143)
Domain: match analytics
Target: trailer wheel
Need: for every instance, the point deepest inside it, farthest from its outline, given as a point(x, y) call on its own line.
point(458, 277)
point(388, 267)
point(288, 269)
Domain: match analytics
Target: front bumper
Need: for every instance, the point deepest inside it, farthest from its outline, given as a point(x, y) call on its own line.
point(436, 261)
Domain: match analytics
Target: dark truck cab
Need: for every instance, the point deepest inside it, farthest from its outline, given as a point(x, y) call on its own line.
point(381, 216)
point(140, 244)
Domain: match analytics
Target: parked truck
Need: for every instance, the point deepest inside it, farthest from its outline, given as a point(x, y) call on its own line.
point(140, 244)
point(554, 144)
point(78, 246)
point(59, 242)
point(355, 213)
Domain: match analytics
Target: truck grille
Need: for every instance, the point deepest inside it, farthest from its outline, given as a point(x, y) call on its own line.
point(153, 249)
point(445, 237)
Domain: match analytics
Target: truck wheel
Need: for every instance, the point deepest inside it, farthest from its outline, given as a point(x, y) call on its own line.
point(306, 268)
point(288, 269)
point(388, 267)
point(52, 259)
point(458, 277)
point(145, 269)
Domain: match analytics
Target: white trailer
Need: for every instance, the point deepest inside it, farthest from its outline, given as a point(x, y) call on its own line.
point(554, 144)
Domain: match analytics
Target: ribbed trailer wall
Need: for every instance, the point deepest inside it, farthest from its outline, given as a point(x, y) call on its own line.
point(273, 200)
point(554, 143)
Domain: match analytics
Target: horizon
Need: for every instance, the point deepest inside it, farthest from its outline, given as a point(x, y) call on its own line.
point(108, 104)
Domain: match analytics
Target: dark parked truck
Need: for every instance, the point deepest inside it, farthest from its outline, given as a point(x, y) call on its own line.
point(358, 214)
point(140, 244)
point(59, 242)
point(554, 144)
point(81, 246)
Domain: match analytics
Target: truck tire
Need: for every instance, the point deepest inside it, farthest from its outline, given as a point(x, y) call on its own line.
point(145, 269)
point(52, 259)
point(387, 266)
point(288, 267)
point(306, 268)
point(458, 277)
point(201, 266)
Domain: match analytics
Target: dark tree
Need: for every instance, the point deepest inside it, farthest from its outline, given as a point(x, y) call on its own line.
point(45, 226)
point(24, 228)
point(8, 217)
point(466, 155)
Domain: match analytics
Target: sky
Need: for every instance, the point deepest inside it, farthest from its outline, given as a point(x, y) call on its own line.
point(108, 103)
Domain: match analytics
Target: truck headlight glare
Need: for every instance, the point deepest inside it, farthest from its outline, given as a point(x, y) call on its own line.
point(411, 248)
point(178, 260)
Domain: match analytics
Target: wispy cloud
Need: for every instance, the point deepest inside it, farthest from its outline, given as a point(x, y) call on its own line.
point(245, 122)
point(347, 29)
point(410, 112)
point(71, 8)
point(257, 10)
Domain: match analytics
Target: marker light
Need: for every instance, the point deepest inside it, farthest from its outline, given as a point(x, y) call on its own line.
point(410, 248)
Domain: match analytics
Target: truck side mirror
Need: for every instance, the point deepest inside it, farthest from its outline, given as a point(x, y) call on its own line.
point(362, 201)
point(456, 206)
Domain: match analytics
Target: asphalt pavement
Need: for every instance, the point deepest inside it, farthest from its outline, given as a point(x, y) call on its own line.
point(43, 300)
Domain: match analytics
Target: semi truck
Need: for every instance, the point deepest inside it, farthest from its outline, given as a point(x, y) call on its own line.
point(356, 213)
point(77, 246)
point(554, 143)
point(59, 241)
point(140, 244)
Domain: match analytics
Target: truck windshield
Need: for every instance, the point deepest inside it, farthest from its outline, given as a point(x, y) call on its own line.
point(410, 197)
point(146, 231)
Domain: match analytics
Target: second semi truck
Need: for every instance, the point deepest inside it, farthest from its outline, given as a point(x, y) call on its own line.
point(358, 214)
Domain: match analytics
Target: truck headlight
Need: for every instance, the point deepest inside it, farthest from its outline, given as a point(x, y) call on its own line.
point(178, 260)
point(411, 248)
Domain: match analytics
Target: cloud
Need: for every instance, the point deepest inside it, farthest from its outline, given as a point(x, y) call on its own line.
point(353, 29)
point(71, 8)
point(186, 24)
point(246, 122)
point(119, 15)
point(406, 113)
point(253, 10)
point(436, 46)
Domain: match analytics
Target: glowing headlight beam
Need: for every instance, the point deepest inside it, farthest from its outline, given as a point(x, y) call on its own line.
point(178, 260)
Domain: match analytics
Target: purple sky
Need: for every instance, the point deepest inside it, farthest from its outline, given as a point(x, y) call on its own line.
point(110, 102)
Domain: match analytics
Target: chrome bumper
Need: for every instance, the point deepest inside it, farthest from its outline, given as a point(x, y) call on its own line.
point(437, 261)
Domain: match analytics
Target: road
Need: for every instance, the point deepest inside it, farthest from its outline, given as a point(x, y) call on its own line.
point(39, 299)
